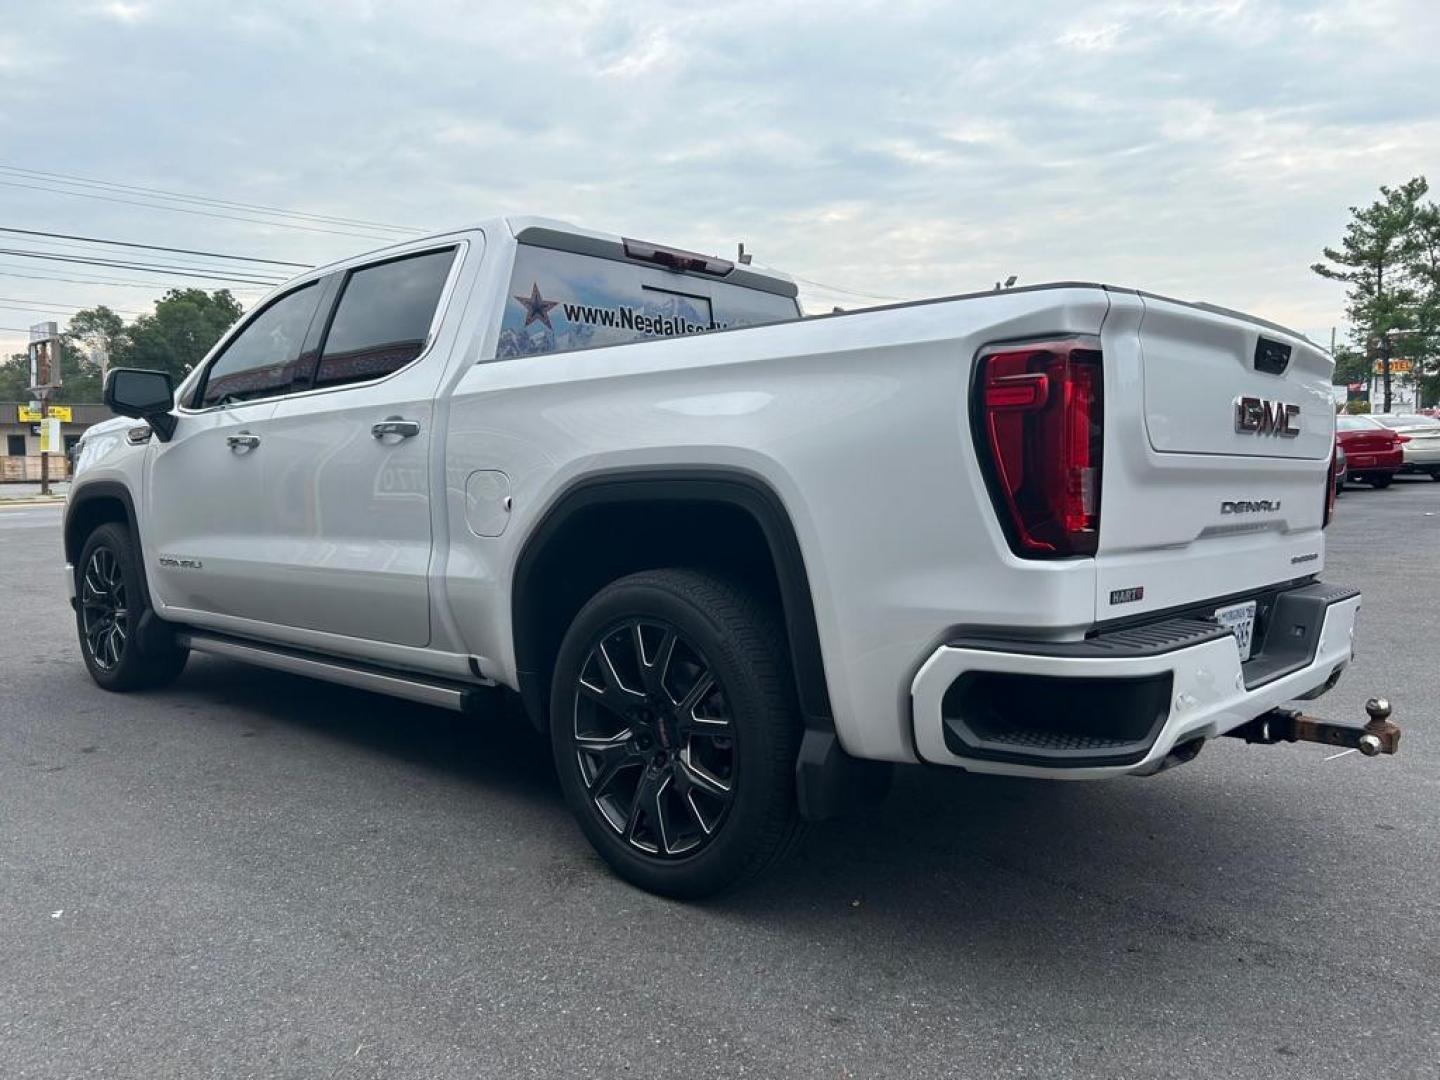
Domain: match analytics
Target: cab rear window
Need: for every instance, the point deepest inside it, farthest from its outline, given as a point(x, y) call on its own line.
point(560, 301)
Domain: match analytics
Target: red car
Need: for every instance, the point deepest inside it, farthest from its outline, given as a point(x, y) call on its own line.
point(1373, 452)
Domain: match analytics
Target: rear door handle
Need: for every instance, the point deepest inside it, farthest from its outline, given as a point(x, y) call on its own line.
point(396, 425)
point(242, 440)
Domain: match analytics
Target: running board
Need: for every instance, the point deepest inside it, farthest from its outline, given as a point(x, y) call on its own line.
point(443, 693)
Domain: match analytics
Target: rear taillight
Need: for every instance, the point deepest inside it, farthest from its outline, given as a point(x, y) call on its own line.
point(1039, 427)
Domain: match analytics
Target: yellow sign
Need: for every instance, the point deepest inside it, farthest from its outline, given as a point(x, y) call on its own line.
point(1398, 366)
point(50, 441)
point(28, 415)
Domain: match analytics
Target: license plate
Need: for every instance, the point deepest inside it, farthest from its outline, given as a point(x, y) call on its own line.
point(1240, 618)
point(1363, 459)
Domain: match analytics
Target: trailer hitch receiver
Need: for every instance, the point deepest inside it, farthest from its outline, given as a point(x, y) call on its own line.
point(1378, 735)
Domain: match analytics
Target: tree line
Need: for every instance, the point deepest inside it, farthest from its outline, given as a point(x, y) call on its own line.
point(174, 338)
point(1390, 259)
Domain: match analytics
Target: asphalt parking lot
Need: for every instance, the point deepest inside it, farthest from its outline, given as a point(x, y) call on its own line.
point(249, 874)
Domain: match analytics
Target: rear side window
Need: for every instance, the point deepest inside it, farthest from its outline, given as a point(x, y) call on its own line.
point(561, 300)
point(383, 319)
point(262, 360)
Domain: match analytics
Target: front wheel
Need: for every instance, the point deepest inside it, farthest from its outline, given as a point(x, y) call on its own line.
point(109, 602)
point(675, 731)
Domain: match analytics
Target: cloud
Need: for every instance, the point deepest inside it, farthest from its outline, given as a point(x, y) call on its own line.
point(125, 11)
point(1202, 149)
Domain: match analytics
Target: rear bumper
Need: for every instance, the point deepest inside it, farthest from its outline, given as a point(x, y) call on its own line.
point(1421, 459)
point(1371, 464)
point(1121, 702)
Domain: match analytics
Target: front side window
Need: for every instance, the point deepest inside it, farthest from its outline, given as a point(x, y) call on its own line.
point(263, 358)
point(383, 319)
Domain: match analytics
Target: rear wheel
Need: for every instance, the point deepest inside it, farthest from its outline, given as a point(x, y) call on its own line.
point(675, 732)
point(109, 603)
point(1380, 482)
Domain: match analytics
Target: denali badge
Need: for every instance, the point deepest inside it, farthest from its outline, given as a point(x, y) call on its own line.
point(180, 562)
point(1258, 416)
point(1248, 506)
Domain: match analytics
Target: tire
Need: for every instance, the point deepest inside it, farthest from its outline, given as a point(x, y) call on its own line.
point(1435, 474)
point(1380, 483)
point(683, 790)
point(110, 599)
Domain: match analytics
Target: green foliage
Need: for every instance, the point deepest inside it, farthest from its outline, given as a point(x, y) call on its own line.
point(180, 332)
point(15, 378)
point(183, 327)
point(1351, 365)
point(1390, 259)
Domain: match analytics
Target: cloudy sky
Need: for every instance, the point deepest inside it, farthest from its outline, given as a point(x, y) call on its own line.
point(893, 150)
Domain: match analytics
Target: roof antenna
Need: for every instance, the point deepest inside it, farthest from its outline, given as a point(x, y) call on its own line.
point(743, 257)
point(1009, 283)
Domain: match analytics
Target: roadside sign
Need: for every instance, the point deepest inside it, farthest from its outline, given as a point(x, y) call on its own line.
point(1398, 366)
point(50, 440)
point(30, 414)
point(44, 356)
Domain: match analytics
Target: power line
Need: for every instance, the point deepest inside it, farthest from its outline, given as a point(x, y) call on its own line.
point(848, 292)
point(124, 262)
point(198, 213)
point(37, 305)
point(7, 271)
point(154, 247)
point(186, 271)
point(71, 178)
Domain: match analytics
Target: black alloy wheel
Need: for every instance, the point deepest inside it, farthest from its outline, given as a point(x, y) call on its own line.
point(654, 739)
point(104, 610)
point(675, 730)
point(124, 646)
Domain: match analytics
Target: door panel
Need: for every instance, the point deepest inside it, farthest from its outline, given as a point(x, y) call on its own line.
point(346, 475)
point(347, 533)
point(203, 512)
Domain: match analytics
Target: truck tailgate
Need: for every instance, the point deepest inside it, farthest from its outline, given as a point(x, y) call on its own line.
point(1218, 437)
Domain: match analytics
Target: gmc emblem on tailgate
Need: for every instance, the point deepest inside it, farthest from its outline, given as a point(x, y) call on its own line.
point(1258, 416)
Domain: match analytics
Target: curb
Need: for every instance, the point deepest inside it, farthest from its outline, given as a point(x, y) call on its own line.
point(17, 504)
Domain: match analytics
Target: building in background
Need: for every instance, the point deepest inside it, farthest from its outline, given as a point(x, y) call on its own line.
point(20, 438)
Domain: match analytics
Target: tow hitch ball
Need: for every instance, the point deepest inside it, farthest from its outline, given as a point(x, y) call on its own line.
point(1379, 735)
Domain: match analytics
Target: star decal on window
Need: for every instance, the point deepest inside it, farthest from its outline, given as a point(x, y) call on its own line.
point(537, 308)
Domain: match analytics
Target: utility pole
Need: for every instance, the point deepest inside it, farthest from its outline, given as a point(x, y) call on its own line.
point(1385, 369)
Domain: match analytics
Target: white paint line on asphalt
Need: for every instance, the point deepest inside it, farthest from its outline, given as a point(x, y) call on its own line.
point(1342, 753)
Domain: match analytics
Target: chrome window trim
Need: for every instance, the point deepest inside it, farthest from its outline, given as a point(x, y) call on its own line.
point(462, 249)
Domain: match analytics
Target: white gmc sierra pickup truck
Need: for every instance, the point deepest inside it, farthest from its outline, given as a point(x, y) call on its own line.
point(733, 561)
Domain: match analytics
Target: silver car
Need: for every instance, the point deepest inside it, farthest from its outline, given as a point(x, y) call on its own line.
point(1422, 445)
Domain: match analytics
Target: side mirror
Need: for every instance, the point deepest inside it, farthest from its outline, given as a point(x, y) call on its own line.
point(144, 395)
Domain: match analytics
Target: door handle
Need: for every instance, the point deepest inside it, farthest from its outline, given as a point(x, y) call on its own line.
point(242, 440)
point(396, 425)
